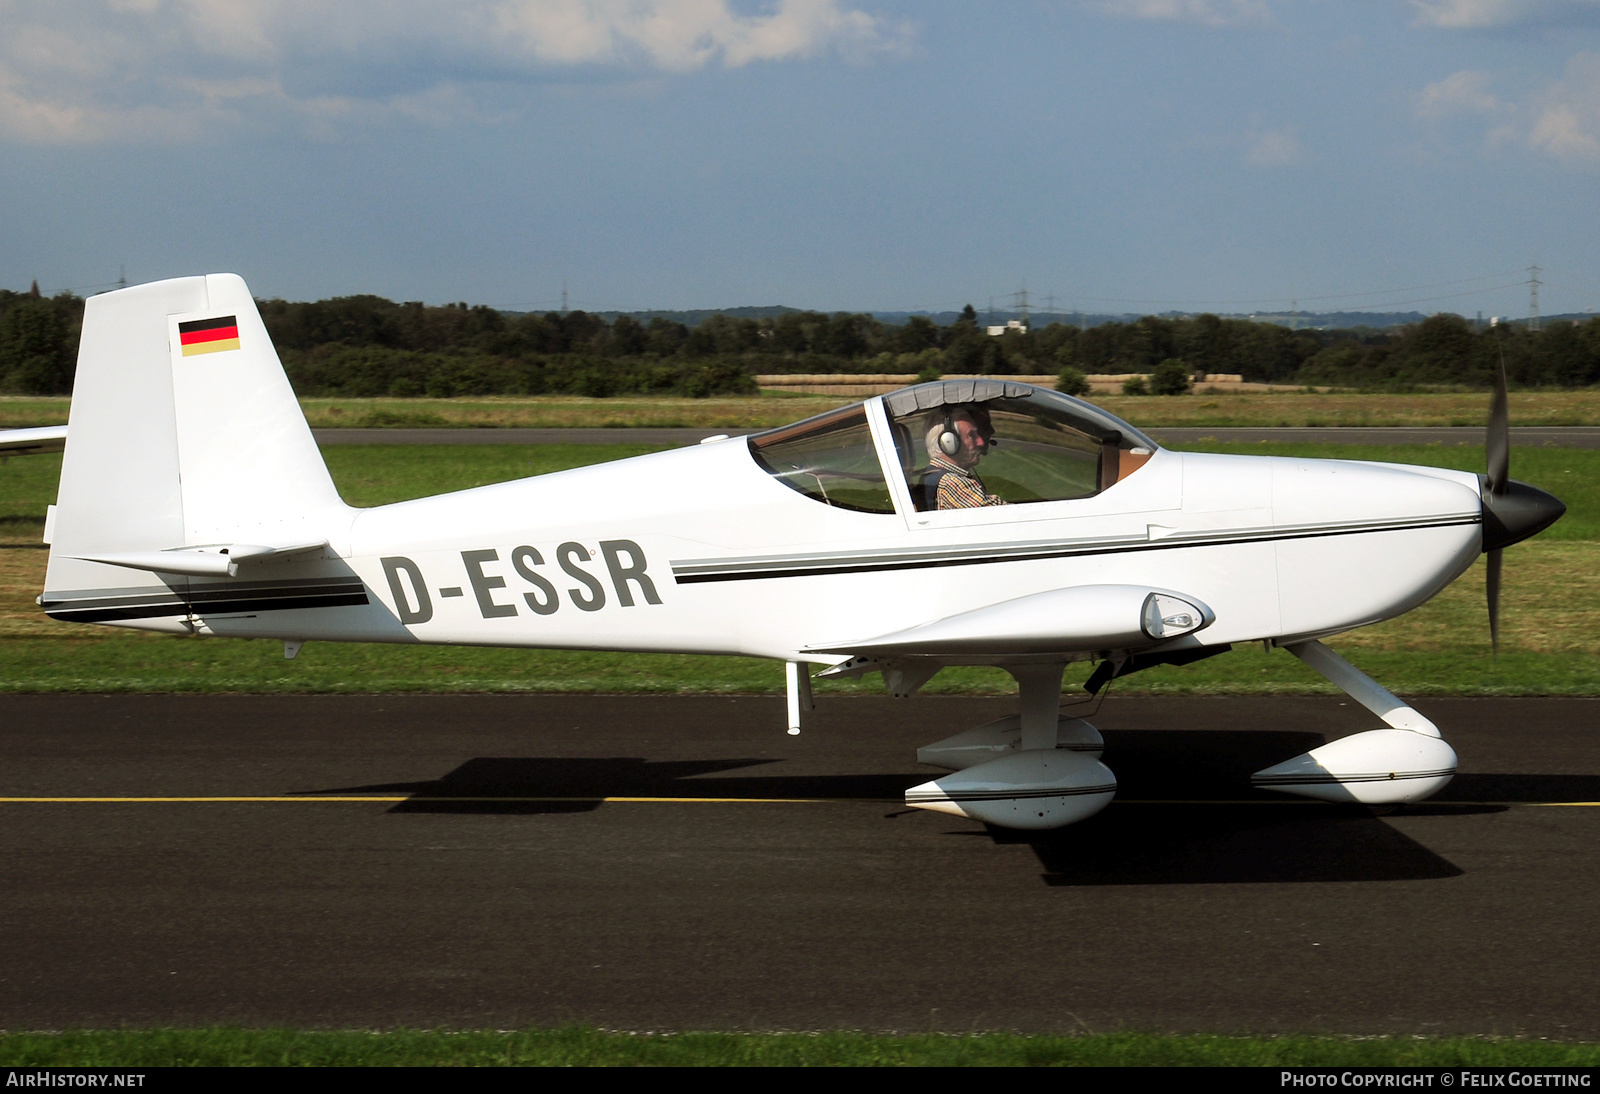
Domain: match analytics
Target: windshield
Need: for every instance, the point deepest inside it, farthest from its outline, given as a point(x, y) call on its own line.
point(830, 458)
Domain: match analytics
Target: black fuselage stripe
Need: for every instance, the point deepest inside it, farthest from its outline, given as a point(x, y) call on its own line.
point(208, 597)
point(221, 602)
point(102, 615)
point(1060, 552)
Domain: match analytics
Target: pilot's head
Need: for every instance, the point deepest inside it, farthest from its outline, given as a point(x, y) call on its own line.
point(963, 434)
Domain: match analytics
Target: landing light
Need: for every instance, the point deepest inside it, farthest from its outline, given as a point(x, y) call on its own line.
point(1168, 617)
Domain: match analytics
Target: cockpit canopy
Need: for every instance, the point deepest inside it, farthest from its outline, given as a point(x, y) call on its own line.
point(1044, 446)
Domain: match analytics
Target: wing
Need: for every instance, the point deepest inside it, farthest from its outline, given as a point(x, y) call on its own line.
point(32, 442)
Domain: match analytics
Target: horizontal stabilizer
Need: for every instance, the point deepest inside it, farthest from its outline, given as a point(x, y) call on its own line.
point(220, 561)
point(1083, 618)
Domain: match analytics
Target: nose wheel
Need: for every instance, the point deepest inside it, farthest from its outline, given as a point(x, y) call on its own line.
point(1407, 762)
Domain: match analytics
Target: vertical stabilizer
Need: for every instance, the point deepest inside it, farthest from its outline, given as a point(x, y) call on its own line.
point(184, 432)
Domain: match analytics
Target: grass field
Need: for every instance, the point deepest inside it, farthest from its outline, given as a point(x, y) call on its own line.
point(1289, 408)
point(1550, 609)
point(132, 1049)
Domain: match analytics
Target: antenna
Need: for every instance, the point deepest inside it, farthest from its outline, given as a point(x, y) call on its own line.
point(563, 296)
point(122, 276)
point(1533, 297)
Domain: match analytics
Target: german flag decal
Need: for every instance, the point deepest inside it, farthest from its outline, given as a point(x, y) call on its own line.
point(209, 335)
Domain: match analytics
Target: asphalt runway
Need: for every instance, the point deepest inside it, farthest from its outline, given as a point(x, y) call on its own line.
point(654, 863)
point(1537, 436)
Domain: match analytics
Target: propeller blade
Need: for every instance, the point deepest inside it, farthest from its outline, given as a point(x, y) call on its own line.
point(1498, 442)
point(1494, 600)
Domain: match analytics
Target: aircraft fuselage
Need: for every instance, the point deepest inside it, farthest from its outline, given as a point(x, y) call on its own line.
point(698, 550)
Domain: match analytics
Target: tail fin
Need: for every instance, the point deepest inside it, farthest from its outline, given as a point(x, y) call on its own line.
point(184, 433)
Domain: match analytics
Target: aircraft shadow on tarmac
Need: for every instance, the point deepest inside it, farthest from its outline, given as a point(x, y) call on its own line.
point(1156, 832)
point(1136, 843)
point(568, 785)
point(1185, 811)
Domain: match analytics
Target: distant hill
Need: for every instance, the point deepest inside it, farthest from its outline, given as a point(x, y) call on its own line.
point(1340, 320)
point(692, 319)
point(1335, 320)
point(1304, 320)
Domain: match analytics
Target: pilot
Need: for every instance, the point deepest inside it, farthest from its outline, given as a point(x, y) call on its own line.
point(958, 437)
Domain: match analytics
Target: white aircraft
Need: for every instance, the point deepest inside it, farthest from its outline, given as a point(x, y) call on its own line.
point(194, 500)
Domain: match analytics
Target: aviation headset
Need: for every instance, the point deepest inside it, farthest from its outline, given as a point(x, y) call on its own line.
point(950, 440)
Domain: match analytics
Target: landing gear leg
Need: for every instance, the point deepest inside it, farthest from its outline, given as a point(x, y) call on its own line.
point(1039, 689)
point(1362, 688)
point(797, 677)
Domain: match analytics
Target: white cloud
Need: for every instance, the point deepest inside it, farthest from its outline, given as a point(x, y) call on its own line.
point(1213, 13)
point(679, 36)
point(1464, 92)
point(1273, 148)
point(1561, 119)
point(76, 71)
point(1255, 145)
point(1567, 116)
point(1479, 14)
point(1468, 13)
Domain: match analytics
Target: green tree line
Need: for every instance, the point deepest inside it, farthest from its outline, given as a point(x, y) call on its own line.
point(370, 346)
point(38, 341)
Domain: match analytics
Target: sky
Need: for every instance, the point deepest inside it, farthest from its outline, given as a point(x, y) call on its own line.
point(1105, 155)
